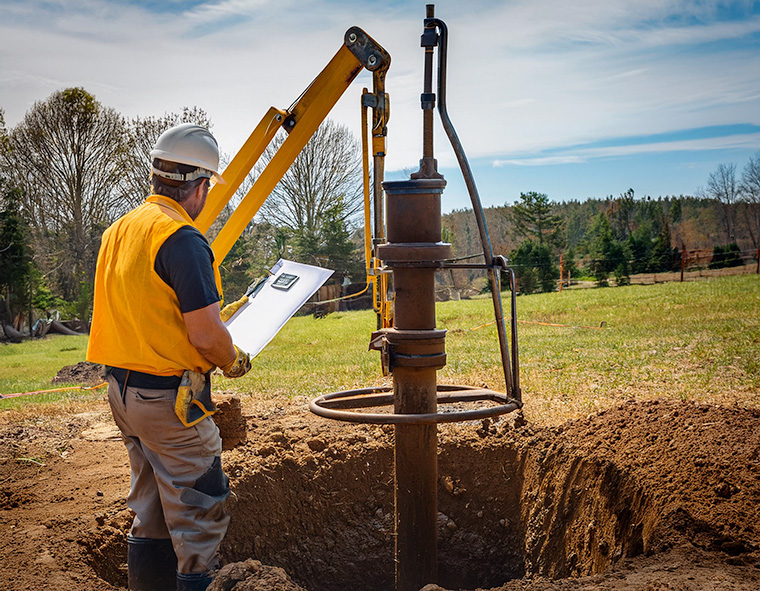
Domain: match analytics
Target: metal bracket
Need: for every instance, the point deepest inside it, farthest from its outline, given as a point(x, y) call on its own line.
point(409, 348)
point(429, 38)
point(367, 51)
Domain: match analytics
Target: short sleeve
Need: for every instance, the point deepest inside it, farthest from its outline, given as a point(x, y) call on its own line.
point(185, 263)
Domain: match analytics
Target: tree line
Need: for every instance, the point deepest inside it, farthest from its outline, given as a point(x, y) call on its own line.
point(72, 166)
point(617, 237)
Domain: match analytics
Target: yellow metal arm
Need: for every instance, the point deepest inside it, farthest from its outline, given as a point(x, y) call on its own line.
point(241, 165)
point(300, 121)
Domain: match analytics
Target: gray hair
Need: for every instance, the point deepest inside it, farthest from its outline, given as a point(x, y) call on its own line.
point(177, 190)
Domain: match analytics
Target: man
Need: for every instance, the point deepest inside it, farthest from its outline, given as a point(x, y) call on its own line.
point(156, 328)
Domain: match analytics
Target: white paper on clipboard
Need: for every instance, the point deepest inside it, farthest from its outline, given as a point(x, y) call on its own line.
point(257, 322)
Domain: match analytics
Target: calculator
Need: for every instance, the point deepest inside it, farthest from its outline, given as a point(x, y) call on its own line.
point(284, 281)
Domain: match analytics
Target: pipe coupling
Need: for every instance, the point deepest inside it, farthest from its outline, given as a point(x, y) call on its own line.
point(409, 348)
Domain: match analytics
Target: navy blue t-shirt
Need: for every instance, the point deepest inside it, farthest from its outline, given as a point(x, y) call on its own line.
point(185, 263)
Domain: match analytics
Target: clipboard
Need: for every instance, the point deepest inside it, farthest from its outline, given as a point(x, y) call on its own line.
point(273, 302)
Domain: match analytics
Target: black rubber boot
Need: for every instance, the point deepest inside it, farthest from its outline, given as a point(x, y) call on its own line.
point(193, 581)
point(151, 564)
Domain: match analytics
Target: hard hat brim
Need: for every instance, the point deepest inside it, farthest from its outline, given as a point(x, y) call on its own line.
point(171, 157)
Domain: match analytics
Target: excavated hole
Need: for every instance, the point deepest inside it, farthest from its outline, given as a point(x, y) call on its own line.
point(323, 511)
point(326, 517)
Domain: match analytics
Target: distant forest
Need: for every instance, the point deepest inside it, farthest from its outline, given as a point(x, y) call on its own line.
point(640, 234)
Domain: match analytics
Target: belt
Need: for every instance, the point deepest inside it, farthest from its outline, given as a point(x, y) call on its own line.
point(138, 379)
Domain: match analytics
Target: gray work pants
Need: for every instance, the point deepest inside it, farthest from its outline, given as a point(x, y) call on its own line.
point(178, 487)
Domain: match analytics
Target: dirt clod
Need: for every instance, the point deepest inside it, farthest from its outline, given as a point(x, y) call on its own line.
point(251, 575)
point(230, 420)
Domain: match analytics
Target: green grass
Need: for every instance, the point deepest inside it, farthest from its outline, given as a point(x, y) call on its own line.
point(31, 365)
point(697, 341)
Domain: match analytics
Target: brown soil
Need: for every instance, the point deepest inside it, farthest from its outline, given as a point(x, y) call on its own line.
point(84, 372)
point(646, 496)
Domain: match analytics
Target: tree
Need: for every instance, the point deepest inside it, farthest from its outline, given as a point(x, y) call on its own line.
point(253, 254)
point(15, 255)
point(331, 246)
point(622, 215)
point(533, 267)
point(570, 268)
point(750, 194)
point(723, 188)
point(68, 157)
point(4, 141)
point(663, 257)
point(726, 256)
point(640, 244)
point(676, 211)
point(328, 171)
point(533, 219)
point(608, 255)
point(314, 203)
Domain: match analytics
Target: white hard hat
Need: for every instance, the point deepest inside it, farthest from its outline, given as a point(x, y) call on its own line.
point(188, 144)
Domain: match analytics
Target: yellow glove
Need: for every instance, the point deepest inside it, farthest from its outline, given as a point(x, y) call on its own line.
point(239, 366)
point(229, 310)
point(193, 402)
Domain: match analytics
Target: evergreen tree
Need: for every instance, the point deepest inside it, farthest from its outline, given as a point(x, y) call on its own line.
point(639, 244)
point(235, 270)
point(533, 219)
point(570, 268)
point(576, 224)
point(607, 254)
point(338, 246)
point(330, 245)
point(15, 255)
point(726, 256)
point(622, 215)
point(676, 211)
point(533, 267)
point(663, 257)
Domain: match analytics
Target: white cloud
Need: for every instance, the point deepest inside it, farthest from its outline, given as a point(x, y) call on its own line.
point(524, 76)
point(228, 8)
point(582, 155)
point(540, 161)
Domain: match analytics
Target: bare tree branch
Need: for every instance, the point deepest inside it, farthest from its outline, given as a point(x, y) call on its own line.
point(325, 174)
point(723, 187)
point(67, 154)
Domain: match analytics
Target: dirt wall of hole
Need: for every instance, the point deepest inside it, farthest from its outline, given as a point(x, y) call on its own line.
point(322, 509)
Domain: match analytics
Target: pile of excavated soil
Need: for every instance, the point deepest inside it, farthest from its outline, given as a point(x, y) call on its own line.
point(84, 372)
point(646, 496)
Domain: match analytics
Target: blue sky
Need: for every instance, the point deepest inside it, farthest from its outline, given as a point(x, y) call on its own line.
point(576, 100)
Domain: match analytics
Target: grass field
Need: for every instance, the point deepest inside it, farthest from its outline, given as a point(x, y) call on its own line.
point(697, 340)
point(30, 365)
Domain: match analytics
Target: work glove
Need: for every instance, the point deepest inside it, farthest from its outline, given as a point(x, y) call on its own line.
point(193, 402)
point(239, 366)
point(229, 310)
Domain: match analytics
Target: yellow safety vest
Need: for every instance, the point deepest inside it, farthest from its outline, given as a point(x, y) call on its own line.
point(136, 319)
